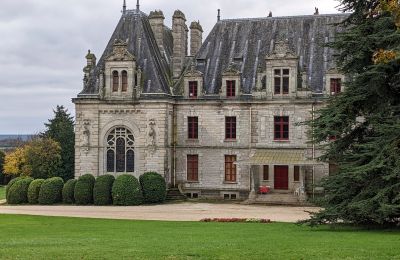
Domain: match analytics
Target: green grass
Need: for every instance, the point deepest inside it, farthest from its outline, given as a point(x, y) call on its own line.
point(2, 192)
point(29, 237)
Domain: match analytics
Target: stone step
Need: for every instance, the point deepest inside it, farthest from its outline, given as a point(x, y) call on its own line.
point(175, 194)
point(278, 199)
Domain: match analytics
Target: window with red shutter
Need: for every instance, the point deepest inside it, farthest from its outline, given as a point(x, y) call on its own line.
point(193, 127)
point(193, 167)
point(230, 128)
point(281, 128)
point(193, 88)
point(230, 168)
point(230, 88)
point(336, 86)
point(281, 81)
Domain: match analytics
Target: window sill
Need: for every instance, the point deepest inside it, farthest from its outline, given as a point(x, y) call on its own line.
point(230, 140)
point(282, 141)
point(192, 182)
point(230, 182)
point(192, 140)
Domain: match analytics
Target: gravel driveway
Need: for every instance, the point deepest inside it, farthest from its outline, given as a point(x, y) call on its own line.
point(170, 212)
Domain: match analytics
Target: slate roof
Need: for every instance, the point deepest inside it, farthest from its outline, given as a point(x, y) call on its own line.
point(246, 42)
point(135, 28)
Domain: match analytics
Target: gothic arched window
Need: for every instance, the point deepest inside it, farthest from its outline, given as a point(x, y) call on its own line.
point(124, 81)
point(120, 151)
point(115, 81)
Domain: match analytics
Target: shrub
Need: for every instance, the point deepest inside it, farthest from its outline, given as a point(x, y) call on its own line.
point(11, 183)
point(18, 192)
point(102, 190)
point(126, 191)
point(154, 187)
point(50, 191)
point(33, 191)
point(83, 192)
point(68, 192)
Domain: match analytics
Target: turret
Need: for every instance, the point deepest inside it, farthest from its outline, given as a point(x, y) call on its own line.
point(196, 38)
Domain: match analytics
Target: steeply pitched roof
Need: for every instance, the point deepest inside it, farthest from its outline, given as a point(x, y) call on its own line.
point(135, 28)
point(246, 42)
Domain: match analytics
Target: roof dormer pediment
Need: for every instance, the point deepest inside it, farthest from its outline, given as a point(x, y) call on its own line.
point(193, 73)
point(231, 71)
point(281, 51)
point(120, 52)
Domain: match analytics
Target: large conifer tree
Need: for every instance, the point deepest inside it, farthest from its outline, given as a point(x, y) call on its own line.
point(365, 119)
point(61, 129)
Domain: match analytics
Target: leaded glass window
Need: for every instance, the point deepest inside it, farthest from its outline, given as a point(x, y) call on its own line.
point(120, 151)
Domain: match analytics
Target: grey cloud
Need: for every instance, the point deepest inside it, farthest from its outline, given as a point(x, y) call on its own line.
point(43, 44)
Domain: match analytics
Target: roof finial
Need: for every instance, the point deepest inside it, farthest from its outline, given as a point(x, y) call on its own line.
point(124, 7)
point(137, 6)
point(219, 15)
point(270, 14)
point(316, 11)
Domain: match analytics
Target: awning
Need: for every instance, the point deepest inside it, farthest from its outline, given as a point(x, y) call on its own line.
point(279, 157)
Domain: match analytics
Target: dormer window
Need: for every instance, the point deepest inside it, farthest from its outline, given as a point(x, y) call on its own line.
point(193, 88)
point(230, 88)
point(115, 83)
point(281, 81)
point(336, 86)
point(124, 81)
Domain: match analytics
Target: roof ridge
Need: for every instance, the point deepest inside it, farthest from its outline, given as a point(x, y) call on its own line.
point(284, 17)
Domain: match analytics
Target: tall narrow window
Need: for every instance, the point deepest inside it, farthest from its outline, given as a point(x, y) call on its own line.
point(281, 81)
point(296, 176)
point(193, 127)
point(230, 88)
point(336, 86)
point(281, 128)
point(193, 167)
point(230, 127)
point(115, 81)
point(124, 81)
point(120, 152)
point(230, 168)
point(193, 88)
point(266, 172)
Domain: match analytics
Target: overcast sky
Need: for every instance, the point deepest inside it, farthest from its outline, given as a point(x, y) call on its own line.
point(44, 42)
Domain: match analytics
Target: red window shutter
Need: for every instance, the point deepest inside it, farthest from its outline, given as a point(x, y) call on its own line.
point(230, 88)
point(230, 127)
point(193, 167)
point(193, 127)
point(193, 89)
point(336, 86)
point(230, 168)
point(281, 128)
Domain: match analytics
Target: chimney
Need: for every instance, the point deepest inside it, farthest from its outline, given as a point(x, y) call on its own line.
point(196, 38)
point(219, 15)
point(180, 35)
point(156, 19)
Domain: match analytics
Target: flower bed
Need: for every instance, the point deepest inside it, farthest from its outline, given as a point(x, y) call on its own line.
point(236, 220)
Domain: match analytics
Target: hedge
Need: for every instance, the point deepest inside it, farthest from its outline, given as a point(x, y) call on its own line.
point(83, 192)
point(50, 191)
point(18, 192)
point(33, 191)
point(68, 192)
point(11, 183)
point(126, 191)
point(154, 187)
point(102, 190)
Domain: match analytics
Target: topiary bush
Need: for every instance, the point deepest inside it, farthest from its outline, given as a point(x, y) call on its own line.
point(102, 190)
point(126, 191)
point(10, 184)
point(154, 187)
point(83, 192)
point(18, 192)
point(33, 191)
point(68, 192)
point(50, 191)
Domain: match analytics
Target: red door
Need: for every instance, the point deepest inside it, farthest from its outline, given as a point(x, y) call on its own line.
point(281, 177)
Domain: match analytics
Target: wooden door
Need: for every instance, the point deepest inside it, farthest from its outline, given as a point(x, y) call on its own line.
point(281, 180)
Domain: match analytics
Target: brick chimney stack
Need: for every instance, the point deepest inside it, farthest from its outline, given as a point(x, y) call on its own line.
point(180, 35)
point(196, 38)
point(156, 19)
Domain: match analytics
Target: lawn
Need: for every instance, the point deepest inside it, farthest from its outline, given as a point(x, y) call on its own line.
point(2, 192)
point(29, 237)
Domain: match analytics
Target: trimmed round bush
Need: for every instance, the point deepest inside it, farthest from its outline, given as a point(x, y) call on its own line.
point(18, 192)
point(126, 191)
point(154, 187)
point(83, 192)
point(68, 192)
point(33, 191)
point(50, 191)
point(102, 190)
point(11, 183)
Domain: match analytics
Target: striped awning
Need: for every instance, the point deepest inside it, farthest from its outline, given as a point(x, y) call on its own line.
point(279, 157)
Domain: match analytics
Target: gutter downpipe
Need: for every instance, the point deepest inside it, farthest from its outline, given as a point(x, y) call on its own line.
point(174, 142)
point(313, 151)
point(251, 177)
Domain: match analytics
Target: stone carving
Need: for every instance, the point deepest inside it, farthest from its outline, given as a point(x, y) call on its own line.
point(282, 51)
point(231, 70)
point(86, 135)
point(120, 52)
point(152, 144)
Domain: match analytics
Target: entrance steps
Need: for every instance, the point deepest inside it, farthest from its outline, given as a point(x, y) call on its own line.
point(174, 194)
point(279, 199)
